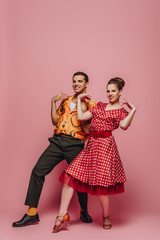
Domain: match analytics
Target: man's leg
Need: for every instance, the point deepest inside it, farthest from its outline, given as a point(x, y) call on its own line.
point(48, 160)
point(73, 148)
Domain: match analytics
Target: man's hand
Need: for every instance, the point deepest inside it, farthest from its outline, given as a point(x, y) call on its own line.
point(59, 96)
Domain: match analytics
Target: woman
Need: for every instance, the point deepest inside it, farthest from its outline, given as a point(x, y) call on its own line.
point(98, 169)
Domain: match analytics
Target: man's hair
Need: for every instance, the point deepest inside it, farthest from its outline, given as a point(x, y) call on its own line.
point(83, 74)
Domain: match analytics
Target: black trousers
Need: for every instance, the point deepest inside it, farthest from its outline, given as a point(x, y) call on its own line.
point(60, 148)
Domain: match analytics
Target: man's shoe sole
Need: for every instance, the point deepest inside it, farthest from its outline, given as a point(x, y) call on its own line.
point(30, 223)
point(85, 221)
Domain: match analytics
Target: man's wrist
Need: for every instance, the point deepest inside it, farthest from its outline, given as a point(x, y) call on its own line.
point(54, 100)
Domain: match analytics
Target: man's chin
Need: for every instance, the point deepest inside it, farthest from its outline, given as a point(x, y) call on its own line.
point(112, 102)
point(78, 91)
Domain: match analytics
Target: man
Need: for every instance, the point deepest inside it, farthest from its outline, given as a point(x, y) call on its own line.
point(66, 143)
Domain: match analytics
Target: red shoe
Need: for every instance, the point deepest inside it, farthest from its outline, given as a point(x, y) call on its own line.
point(107, 223)
point(65, 218)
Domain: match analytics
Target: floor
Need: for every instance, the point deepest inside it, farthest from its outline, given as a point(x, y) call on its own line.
point(141, 227)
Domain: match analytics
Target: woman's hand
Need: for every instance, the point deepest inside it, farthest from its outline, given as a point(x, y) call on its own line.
point(84, 96)
point(129, 105)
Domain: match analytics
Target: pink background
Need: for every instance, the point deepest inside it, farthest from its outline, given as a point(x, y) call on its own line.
point(42, 43)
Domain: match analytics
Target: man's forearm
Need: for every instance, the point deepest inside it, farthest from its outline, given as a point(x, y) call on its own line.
point(54, 115)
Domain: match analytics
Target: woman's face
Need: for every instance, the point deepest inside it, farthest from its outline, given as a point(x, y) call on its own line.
point(113, 93)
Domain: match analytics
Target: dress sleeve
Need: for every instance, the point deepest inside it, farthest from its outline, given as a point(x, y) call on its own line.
point(96, 107)
point(93, 109)
point(124, 114)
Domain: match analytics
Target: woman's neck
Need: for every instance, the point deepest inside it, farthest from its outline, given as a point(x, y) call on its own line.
point(115, 104)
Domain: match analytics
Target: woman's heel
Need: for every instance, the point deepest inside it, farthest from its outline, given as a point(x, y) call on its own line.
point(107, 223)
point(64, 219)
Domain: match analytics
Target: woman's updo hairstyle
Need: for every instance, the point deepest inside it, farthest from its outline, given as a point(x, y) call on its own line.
point(118, 81)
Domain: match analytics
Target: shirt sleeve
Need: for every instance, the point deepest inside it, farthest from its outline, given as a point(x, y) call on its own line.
point(124, 114)
point(91, 104)
point(60, 109)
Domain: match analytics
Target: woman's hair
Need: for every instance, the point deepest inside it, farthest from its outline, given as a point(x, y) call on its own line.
point(118, 81)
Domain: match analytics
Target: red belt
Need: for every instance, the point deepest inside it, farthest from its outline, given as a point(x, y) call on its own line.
point(101, 134)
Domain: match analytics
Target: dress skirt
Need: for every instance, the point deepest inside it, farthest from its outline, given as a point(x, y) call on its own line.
point(77, 185)
point(97, 169)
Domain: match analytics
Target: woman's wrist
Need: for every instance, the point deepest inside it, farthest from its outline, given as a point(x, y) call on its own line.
point(134, 109)
point(78, 98)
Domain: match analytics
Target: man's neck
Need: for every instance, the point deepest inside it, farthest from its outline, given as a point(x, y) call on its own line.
point(77, 94)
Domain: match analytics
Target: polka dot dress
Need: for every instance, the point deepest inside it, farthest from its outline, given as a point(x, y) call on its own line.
point(98, 168)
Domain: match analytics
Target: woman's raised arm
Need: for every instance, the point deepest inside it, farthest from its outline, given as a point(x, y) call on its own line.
point(82, 116)
point(126, 122)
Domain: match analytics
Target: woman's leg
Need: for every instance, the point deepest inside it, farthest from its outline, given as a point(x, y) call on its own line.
point(66, 196)
point(104, 201)
point(63, 216)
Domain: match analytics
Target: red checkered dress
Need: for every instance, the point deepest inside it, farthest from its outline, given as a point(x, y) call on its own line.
point(98, 168)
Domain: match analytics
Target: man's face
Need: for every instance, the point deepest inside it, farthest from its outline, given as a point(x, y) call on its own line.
point(79, 84)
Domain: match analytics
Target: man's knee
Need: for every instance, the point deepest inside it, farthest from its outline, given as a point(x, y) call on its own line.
point(37, 171)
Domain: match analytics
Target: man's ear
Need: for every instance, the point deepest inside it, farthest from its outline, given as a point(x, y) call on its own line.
point(87, 84)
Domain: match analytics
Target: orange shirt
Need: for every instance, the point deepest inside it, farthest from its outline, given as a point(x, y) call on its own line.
point(68, 123)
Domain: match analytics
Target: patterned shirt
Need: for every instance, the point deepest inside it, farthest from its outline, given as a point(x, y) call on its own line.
point(68, 122)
